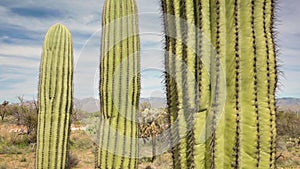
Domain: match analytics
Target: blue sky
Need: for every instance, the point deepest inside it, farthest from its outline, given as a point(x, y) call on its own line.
point(23, 25)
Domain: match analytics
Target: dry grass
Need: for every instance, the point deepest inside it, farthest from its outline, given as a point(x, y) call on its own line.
point(17, 161)
point(163, 161)
point(15, 154)
point(81, 148)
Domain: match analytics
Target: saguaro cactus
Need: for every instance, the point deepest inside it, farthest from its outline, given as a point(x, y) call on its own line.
point(119, 86)
point(228, 89)
point(187, 63)
point(55, 98)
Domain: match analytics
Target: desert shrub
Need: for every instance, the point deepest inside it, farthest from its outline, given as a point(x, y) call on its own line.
point(9, 149)
point(23, 160)
point(288, 124)
point(79, 140)
point(3, 110)
point(91, 130)
point(152, 122)
point(9, 139)
point(26, 114)
point(3, 166)
point(72, 160)
point(288, 138)
point(144, 105)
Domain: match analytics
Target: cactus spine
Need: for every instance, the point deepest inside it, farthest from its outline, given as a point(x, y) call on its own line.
point(119, 86)
point(55, 98)
point(239, 130)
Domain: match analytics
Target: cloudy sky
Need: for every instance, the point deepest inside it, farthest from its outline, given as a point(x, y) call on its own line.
point(23, 25)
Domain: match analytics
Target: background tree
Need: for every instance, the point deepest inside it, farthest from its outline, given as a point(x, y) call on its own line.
point(3, 109)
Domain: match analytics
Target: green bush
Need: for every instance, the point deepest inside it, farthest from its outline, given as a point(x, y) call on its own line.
point(288, 124)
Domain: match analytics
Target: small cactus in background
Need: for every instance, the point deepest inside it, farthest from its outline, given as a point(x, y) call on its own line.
point(55, 99)
point(119, 86)
point(226, 93)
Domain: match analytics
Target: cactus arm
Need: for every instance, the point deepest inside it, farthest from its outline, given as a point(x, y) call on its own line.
point(55, 98)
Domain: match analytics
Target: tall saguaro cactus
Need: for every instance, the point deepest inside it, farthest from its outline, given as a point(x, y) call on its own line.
point(55, 98)
point(119, 86)
point(221, 99)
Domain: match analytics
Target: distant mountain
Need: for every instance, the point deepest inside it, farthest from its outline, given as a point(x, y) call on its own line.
point(156, 102)
point(89, 105)
point(288, 104)
point(92, 105)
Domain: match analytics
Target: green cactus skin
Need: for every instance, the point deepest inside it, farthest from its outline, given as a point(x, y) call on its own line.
point(119, 86)
point(187, 79)
point(240, 133)
point(55, 98)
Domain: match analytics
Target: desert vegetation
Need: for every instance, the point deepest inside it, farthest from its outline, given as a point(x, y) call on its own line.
point(220, 77)
point(17, 146)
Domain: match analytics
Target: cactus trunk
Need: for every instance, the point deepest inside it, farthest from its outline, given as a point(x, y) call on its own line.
point(119, 86)
point(187, 64)
point(55, 99)
point(221, 99)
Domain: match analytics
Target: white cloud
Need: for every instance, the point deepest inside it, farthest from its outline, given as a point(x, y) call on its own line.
point(288, 15)
point(83, 18)
point(288, 39)
point(292, 88)
point(18, 62)
point(152, 58)
point(21, 50)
